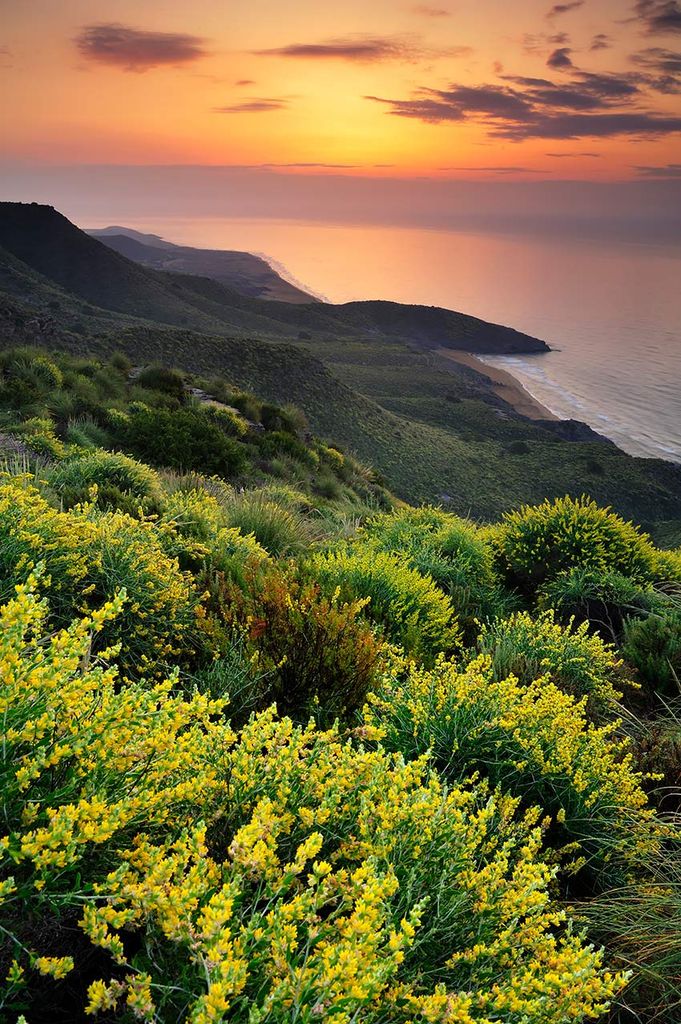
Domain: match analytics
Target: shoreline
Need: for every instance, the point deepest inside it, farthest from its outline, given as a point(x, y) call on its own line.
point(505, 385)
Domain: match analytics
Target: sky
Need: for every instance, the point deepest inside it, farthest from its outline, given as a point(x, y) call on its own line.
point(469, 89)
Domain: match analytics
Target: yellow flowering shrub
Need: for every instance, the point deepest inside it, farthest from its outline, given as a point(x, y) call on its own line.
point(537, 542)
point(409, 607)
point(277, 874)
point(88, 555)
point(451, 550)
point(577, 661)
point(535, 742)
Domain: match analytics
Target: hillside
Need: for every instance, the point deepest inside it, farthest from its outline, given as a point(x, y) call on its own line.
point(265, 729)
point(436, 431)
point(247, 274)
point(48, 243)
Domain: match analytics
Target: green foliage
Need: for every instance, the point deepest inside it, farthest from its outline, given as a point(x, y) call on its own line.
point(599, 596)
point(408, 606)
point(27, 377)
point(653, 646)
point(535, 742)
point(537, 543)
point(450, 550)
point(577, 662)
point(279, 530)
point(121, 482)
point(181, 439)
point(160, 378)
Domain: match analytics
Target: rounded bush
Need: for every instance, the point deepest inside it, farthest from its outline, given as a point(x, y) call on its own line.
point(536, 743)
point(26, 376)
point(577, 662)
point(121, 482)
point(653, 646)
point(280, 531)
point(538, 542)
point(409, 607)
point(450, 550)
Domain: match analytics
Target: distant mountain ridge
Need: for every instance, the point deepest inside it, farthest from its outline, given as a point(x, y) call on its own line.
point(83, 266)
point(250, 275)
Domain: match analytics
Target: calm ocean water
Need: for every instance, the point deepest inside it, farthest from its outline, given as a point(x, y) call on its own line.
point(612, 313)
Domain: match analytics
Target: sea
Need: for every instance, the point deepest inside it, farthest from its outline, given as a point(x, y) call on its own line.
point(611, 312)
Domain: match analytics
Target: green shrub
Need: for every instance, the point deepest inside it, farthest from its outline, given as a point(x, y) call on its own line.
point(121, 482)
point(601, 597)
point(180, 439)
point(38, 432)
point(27, 377)
point(160, 378)
point(231, 422)
point(450, 550)
point(88, 556)
point(280, 531)
point(653, 646)
point(408, 606)
point(278, 442)
point(577, 662)
point(85, 433)
point(538, 542)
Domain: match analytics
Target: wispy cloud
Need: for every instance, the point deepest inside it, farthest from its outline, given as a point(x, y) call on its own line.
point(558, 9)
point(561, 156)
point(245, 81)
point(363, 49)
point(588, 105)
point(430, 12)
point(659, 15)
point(600, 41)
point(134, 49)
point(496, 170)
point(254, 106)
point(666, 171)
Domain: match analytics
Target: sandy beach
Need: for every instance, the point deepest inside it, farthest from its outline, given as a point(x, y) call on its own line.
point(505, 385)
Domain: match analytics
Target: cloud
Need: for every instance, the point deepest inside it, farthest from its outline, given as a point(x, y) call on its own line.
point(589, 105)
point(136, 50)
point(319, 165)
point(559, 9)
point(431, 12)
point(600, 42)
point(560, 58)
point(363, 49)
point(496, 170)
point(659, 15)
point(662, 68)
point(255, 106)
point(579, 126)
point(667, 171)
point(582, 153)
point(245, 81)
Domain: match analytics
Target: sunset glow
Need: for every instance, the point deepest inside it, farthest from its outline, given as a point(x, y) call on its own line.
point(493, 90)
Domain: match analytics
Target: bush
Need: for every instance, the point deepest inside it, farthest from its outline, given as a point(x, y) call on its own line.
point(653, 646)
point(329, 875)
point(280, 531)
point(536, 743)
point(450, 550)
point(278, 442)
point(85, 433)
point(408, 606)
point(159, 378)
point(313, 653)
point(88, 557)
point(39, 435)
point(537, 543)
point(27, 377)
point(601, 597)
point(578, 663)
point(121, 482)
point(181, 439)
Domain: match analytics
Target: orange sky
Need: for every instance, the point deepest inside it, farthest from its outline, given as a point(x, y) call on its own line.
point(483, 89)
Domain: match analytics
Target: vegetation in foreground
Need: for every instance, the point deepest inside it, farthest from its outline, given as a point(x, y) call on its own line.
point(277, 747)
